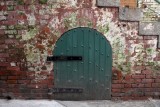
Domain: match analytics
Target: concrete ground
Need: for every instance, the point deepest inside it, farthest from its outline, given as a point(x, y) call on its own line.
point(55, 103)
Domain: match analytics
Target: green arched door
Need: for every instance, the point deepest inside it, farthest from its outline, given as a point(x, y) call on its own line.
point(86, 78)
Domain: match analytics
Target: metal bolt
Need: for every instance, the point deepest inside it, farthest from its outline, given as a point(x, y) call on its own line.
point(68, 65)
point(102, 85)
point(81, 77)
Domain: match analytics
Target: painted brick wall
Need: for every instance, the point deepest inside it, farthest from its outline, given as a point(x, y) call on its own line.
point(29, 30)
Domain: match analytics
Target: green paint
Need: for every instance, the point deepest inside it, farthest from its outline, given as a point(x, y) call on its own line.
point(20, 27)
point(30, 34)
point(95, 69)
point(20, 2)
point(10, 8)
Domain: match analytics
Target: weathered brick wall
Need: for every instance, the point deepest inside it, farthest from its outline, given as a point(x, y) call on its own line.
point(29, 30)
point(136, 86)
point(22, 85)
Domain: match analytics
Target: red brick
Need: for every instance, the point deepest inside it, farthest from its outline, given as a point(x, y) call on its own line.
point(44, 73)
point(155, 85)
point(2, 59)
point(137, 80)
point(24, 81)
point(4, 8)
point(13, 73)
point(138, 76)
point(148, 85)
point(128, 77)
point(117, 94)
point(2, 32)
point(4, 55)
point(127, 90)
point(150, 76)
point(3, 77)
point(2, 41)
point(10, 22)
point(149, 94)
point(19, 7)
point(12, 77)
point(11, 41)
point(116, 90)
point(4, 46)
point(4, 64)
point(127, 85)
point(43, 81)
point(11, 81)
point(13, 68)
point(31, 73)
point(117, 85)
point(157, 80)
point(32, 85)
point(138, 85)
point(126, 98)
point(50, 78)
point(2, 73)
point(23, 74)
point(129, 81)
point(148, 89)
point(146, 72)
point(137, 94)
point(147, 80)
point(22, 77)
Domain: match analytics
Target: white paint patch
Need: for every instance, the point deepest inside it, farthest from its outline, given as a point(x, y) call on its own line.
point(2, 18)
point(2, 3)
point(149, 27)
point(31, 19)
point(13, 64)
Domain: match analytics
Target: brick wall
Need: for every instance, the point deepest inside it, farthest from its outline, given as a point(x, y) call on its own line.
point(22, 85)
point(139, 86)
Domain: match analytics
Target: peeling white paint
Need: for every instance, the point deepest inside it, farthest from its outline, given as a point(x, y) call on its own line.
point(2, 18)
point(13, 64)
point(149, 27)
point(31, 19)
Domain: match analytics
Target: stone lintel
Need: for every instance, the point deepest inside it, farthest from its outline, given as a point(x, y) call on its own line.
point(150, 29)
point(130, 14)
point(108, 3)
